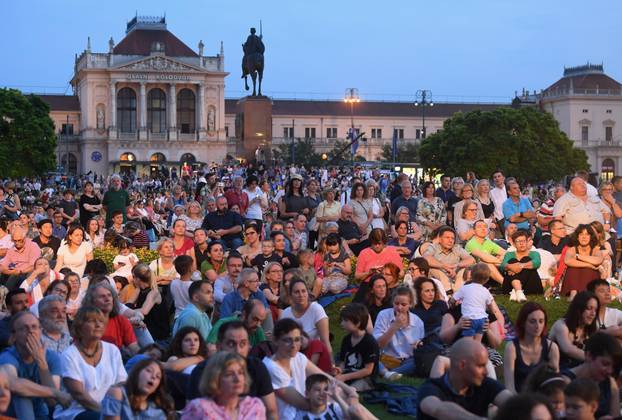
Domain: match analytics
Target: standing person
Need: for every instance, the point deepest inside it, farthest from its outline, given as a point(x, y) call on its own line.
point(464, 392)
point(484, 199)
point(499, 195)
point(431, 212)
point(257, 201)
point(529, 349)
point(116, 198)
point(406, 199)
point(378, 207)
point(444, 192)
point(362, 208)
point(90, 204)
point(236, 195)
point(293, 202)
point(68, 208)
point(90, 366)
point(75, 252)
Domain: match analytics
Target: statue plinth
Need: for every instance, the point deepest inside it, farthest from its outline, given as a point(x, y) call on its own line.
point(253, 126)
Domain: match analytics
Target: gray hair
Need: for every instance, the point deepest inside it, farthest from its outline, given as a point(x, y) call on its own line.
point(115, 177)
point(46, 302)
point(403, 208)
point(89, 297)
point(245, 275)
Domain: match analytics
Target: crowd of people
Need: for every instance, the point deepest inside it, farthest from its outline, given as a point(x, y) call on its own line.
point(211, 304)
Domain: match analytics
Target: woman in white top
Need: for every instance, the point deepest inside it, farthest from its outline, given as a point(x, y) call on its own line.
point(257, 200)
point(95, 233)
point(289, 368)
point(74, 253)
point(90, 366)
point(187, 350)
point(193, 218)
point(328, 210)
point(163, 269)
point(376, 207)
point(310, 315)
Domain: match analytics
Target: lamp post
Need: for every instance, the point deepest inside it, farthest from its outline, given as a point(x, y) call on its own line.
point(351, 97)
point(423, 98)
point(67, 148)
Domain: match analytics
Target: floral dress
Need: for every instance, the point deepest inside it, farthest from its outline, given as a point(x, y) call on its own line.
point(430, 211)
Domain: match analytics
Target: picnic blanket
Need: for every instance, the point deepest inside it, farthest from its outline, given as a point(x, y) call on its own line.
point(329, 299)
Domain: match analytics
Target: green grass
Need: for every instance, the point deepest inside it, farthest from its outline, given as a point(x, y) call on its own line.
point(555, 308)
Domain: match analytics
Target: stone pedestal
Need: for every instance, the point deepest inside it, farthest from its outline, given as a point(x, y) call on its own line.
point(253, 126)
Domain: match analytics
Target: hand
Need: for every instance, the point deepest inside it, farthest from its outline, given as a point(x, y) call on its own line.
point(36, 349)
point(401, 320)
point(285, 261)
point(486, 325)
point(62, 398)
point(464, 323)
point(417, 343)
point(133, 260)
point(336, 371)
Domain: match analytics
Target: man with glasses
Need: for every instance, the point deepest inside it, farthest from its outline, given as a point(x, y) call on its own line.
point(556, 240)
point(517, 209)
point(247, 288)
point(19, 260)
point(253, 315)
point(233, 337)
point(34, 372)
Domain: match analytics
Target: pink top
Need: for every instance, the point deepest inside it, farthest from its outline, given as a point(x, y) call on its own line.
point(250, 408)
point(368, 258)
point(23, 258)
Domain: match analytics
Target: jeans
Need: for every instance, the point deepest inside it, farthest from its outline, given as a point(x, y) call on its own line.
point(407, 367)
point(233, 243)
point(88, 415)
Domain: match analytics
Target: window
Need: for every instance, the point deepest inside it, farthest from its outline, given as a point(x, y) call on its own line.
point(608, 169)
point(585, 111)
point(417, 133)
point(609, 134)
point(309, 132)
point(226, 131)
point(331, 132)
point(585, 133)
point(70, 163)
point(288, 132)
point(126, 110)
point(376, 133)
point(67, 129)
point(186, 117)
point(398, 132)
point(156, 110)
point(608, 111)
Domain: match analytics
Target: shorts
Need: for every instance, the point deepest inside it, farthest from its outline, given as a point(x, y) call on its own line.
point(477, 327)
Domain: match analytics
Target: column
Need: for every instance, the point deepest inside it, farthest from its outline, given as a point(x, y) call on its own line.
point(112, 113)
point(143, 111)
point(172, 115)
point(200, 110)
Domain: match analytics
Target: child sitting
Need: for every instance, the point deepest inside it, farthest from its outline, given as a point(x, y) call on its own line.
point(318, 388)
point(359, 349)
point(475, 300)
point(307, 271)
point(125, 261)
point(337, 266)
point(581, 399)
point(267, 255)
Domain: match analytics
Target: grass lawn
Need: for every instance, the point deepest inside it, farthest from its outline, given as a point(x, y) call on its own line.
point(555, 310)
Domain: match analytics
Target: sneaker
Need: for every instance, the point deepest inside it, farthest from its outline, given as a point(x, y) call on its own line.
point(513, 297)
point(520, 296)
point(392, 376)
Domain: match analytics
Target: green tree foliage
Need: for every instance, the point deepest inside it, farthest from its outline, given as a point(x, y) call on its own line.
point(406, 152)
point(27, 139)
point(526, 143)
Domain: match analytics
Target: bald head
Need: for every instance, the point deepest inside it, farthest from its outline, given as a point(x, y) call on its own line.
point(465, 348)
point(346, 212)
point(578, 186)
point(468, 361)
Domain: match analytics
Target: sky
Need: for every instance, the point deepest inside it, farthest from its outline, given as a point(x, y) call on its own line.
point(460, 50)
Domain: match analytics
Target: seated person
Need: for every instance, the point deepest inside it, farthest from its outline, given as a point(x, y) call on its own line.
point(317, 391)
point(16, 302)
point(267, 256)
point(253, 315)
point(33, 372)
point(464, 391)
point(556, 240)
point(520, 268)
point(337, 266)
point(349, 230)
point(581, 397)
point(247, 288)
point(187, 350)
point(485, 250)
point(448, 260)
point(194, 314)
point(608, 319)
point(359, 350)
point(404, 244)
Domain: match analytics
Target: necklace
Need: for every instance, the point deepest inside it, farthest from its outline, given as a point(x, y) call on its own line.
point(89, 355)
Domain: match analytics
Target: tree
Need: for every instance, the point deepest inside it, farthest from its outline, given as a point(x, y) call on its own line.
point(406, 153)
point(304, 152)
point(27, 139)
point(526, 143)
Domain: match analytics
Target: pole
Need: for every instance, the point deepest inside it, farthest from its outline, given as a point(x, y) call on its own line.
point(423, 105)
point(293, 141)
point(352, 128)
point(67, 148)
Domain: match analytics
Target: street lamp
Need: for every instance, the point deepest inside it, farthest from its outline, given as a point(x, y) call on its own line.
point(423, 98)
point(351, 97)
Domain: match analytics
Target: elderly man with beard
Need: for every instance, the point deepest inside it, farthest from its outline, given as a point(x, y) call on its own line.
point(116, 198)
point(53, 317)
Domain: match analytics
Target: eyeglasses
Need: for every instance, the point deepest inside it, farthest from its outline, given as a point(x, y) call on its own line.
point(291, 340)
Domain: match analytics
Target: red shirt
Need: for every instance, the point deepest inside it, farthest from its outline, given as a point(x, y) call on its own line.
point(324, 362)
point(119, 332)
point(188, 244)
point(237, 197)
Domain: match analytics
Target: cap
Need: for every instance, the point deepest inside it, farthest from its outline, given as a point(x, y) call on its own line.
point(296, 176)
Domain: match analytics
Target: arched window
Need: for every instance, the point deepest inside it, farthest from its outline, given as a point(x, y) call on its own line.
point(608, 169)
point(128, 157)
point(157, 157)
point(126, 110)
point(71, 165)
point(156, 110)
point(186, 115)
point(188, 158)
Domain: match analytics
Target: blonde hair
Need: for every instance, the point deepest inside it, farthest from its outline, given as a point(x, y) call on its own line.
point(216, 365)
point(162, 242)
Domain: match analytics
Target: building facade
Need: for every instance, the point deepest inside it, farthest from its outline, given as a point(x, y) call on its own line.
point(587, 103)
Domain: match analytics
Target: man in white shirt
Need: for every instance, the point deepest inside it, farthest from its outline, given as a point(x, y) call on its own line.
point(609, 320)
point(577, 207)
point(224, 284)
point(498, 195)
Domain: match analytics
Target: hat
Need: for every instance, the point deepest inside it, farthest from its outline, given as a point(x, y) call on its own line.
point(296, 176)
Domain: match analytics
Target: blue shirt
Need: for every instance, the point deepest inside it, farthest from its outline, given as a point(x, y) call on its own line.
point(234, 302)
point(30, 371)
point(191, 316)
point(59, 231)
point(411, 204)
point(510, 208)
point(444, 195)
point(215, 221)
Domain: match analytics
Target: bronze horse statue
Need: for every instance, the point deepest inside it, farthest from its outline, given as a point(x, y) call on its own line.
point(252, 63)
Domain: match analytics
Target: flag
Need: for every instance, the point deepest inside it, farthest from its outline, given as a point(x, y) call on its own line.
point(394, 147)
point(355, 144)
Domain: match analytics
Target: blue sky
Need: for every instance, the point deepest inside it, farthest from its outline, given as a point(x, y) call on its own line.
point(462, 50)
